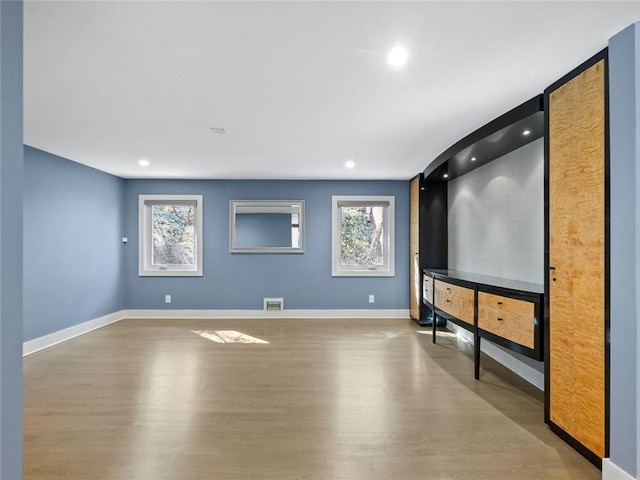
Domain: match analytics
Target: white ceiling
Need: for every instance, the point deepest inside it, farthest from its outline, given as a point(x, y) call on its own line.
point(300, 87)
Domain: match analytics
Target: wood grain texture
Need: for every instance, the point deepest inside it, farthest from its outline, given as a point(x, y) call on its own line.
point(414, 248)
point(577, 251)
point(324, 400)
point(455, 300)
point(427, 288)
point(507, 317)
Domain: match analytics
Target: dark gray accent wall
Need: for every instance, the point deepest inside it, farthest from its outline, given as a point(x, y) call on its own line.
point(624, 81)
point(73, 251)
point(11, 240)
point(241, 281)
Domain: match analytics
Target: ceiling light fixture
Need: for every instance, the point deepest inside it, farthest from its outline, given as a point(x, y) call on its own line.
point(446, 175)
point(218, 130)
point(526, 132)
point(350, 164)
point(143, 163)
point(473, 159)
point(397, 57)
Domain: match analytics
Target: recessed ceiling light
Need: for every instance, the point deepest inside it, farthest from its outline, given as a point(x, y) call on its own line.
point(473, 159)
point(446, 175)
point(526, 132)
point(350, 164)
point(218, 130)
point(397, 57)
point(143, 163)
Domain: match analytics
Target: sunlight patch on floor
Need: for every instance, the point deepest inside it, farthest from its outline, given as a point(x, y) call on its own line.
point(228, 336)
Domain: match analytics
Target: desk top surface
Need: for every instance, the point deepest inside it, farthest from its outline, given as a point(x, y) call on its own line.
point(490, 280)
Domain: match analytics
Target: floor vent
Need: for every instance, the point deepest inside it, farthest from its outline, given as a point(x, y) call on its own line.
point(273, 304)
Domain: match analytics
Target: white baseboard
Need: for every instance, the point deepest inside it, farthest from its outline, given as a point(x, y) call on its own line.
point(525, 371)
point(347, 313)
point(46, 341)
point(610, 471)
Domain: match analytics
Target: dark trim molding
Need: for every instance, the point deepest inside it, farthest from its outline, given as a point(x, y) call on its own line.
point(579, 447)
point(607, 258)
point(601, 55)
point(528, 109)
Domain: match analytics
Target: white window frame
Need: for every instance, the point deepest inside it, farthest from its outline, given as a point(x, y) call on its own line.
point(388, 268)
point(145, 248)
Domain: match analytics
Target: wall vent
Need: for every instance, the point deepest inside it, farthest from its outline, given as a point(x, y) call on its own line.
point(274, 304)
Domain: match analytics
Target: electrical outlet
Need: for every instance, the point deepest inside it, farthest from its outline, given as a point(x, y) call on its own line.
point(167, 299)
point(372, 299)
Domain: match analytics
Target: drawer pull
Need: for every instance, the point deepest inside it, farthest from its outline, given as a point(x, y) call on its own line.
point(499, 319)
point(448, 289)
point(499, 303)
point(448, 301)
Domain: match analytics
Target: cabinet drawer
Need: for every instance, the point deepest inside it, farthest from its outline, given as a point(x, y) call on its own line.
point(455, 300)
point(507, 317)
point(427, 288)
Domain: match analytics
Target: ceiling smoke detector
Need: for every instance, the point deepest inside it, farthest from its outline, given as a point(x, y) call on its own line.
point(218, 130)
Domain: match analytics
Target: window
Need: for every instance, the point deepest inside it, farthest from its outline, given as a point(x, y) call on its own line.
point(363, 236)
point(170, 235)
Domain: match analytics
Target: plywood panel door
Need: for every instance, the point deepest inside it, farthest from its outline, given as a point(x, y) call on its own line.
point(414, 249)
point(576, 175)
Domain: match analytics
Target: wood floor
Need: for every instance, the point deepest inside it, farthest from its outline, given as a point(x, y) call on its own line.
point(324, 400)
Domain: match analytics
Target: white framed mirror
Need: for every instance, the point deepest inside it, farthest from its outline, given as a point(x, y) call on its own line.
point(266, 226)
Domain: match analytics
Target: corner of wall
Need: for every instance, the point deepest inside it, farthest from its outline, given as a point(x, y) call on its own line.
point(624, 73)
point(610, 471)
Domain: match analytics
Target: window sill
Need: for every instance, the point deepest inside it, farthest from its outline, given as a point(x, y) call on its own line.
point(170, 273)
point(363, 273)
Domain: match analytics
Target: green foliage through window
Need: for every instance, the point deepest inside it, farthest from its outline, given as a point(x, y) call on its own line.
point(173, 234)
point(362, 235)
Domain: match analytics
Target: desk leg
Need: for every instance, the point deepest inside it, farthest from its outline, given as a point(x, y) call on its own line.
point(433, 324)
point(476, 359)
point(476, 335)
point(434, 317)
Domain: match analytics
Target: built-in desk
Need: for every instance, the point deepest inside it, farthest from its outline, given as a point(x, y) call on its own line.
point(507, 312)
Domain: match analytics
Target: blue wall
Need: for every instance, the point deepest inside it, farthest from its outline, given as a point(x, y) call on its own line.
point(76, 268)
point(73, 254)
point(624, 78)
point(11, 240)
point(240, 281)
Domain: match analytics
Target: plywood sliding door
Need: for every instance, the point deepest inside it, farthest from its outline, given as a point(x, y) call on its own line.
point(414, 248)
point(577, 259)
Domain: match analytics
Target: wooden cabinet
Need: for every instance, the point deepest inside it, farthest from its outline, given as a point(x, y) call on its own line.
point(577, 285)
point(414, 249)
point(427, 290)
point(507, 312)
point(455, 300)
point(508, 318)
